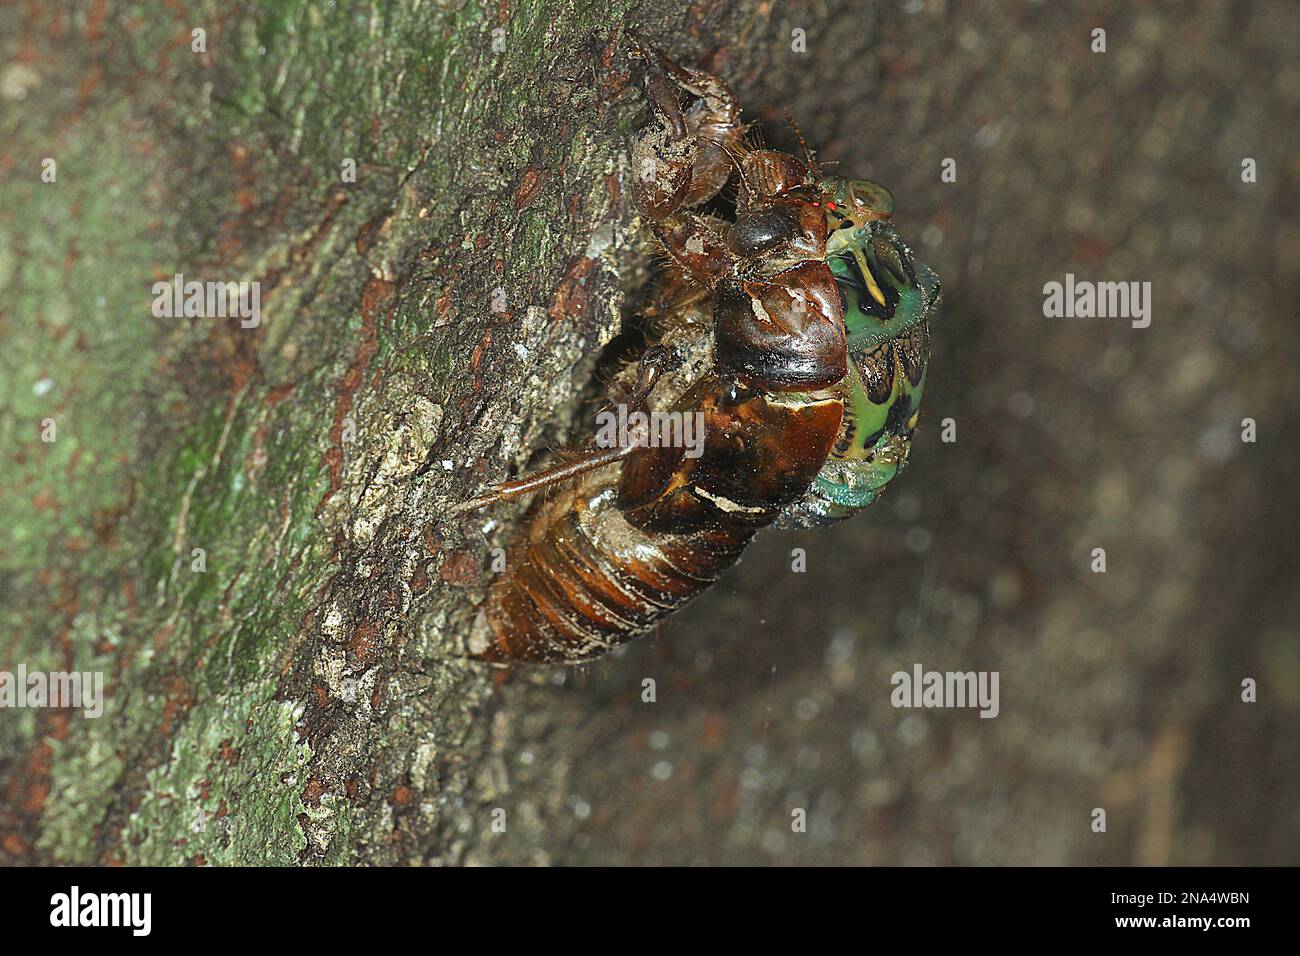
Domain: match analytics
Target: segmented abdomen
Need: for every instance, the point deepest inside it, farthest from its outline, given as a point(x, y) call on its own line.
point(585, 580)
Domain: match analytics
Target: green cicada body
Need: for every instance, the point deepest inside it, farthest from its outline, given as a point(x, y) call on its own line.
point(888, 298)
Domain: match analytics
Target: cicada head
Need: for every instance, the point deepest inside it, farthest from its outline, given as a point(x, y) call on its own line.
point(851, 204)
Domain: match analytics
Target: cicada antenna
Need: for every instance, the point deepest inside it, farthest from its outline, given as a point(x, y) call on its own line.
point(814, 168)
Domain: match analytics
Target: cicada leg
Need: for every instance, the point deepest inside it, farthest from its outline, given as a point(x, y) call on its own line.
point(683, 157)
point(652, 365)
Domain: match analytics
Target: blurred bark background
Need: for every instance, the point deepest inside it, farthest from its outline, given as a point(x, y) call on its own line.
point(430, 324)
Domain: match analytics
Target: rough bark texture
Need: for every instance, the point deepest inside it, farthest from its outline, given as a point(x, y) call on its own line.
point(430, 325)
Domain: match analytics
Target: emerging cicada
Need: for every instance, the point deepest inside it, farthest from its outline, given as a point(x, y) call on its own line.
point(798, 333)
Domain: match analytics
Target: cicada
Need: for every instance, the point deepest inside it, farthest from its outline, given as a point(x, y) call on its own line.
point(796, 332)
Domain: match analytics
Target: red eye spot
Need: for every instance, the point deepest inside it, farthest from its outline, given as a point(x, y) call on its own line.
point(831, 205)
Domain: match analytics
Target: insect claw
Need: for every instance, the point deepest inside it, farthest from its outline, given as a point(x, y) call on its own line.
point(546, 478)
point(474, 504)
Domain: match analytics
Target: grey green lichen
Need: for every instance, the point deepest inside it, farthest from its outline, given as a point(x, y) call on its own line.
point(174, 435)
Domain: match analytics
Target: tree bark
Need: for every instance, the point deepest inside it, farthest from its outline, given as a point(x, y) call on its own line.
point(245, 529)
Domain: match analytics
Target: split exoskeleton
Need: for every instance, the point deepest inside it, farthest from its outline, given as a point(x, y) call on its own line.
point(799, 334)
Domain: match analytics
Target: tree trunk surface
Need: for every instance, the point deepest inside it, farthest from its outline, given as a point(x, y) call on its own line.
point(246, 529)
